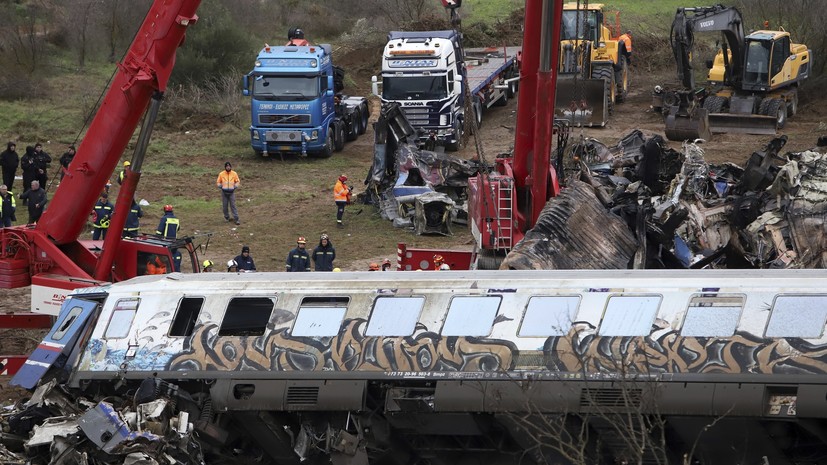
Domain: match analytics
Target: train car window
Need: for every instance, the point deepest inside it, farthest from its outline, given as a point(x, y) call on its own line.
point(320, 317)
point(629, 315)
point(549, 316)
point(121, 319)
point(394, 316)
point(184, 321)
point(712, 316)
point(471, 316)
point(67, 323)
point(246, 316)
point(797, 316)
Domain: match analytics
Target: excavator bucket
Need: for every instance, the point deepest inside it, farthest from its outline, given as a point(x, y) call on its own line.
point(681, 125)
point(582, 102)
point(742, 123)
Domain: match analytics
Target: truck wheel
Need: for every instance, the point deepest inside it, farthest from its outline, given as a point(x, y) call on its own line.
point(607, 74)
point(763, 107)
point(512, 89)
point(355, 124)
point(714, 104)
point(460, 132)
point(339, 136)
point(778, 109)
point(329, 146)
point(363, 121)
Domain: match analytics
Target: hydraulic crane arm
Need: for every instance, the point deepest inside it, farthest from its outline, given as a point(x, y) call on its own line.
point(727, 20)
point(145, 70)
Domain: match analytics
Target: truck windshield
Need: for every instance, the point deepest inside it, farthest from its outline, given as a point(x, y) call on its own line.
point(285, 87)
point(414, 88)
point(578, 26)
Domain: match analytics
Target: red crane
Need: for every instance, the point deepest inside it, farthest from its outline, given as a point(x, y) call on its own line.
point(49, 255)
point(506, 202)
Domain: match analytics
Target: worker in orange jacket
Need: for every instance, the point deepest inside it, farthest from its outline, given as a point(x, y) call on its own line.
point(228, 182)
point(626, 45)
point(341, 195)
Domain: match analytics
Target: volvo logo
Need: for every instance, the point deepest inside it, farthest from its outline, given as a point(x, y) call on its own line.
point(709, 23)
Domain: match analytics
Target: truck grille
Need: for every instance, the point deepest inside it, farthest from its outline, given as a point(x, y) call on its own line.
point(418, 116)
point(283, 136)
point(284, 119)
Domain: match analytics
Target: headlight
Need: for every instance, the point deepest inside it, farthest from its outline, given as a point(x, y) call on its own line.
point(443, 120)
point(314, 135)
point(255, 135)
point(313, 63)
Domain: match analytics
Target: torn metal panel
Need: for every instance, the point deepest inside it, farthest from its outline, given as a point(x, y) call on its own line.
point(105, 426)
point(433, 214)
point(56, 426)
point(574, 231)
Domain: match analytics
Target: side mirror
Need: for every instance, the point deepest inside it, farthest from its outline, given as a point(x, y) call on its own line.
point(374, 86)
point(709, 64)
point(245, 85)
point(458, 85)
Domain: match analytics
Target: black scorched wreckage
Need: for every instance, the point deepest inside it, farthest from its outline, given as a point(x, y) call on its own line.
point(718, 366)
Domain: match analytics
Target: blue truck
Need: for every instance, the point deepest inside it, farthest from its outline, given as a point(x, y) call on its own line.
point(297, 104)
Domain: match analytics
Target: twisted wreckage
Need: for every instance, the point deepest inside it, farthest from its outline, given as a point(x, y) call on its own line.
point(657, 207)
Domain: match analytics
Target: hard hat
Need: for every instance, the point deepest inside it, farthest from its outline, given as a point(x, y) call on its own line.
point(343, 178)
point(374, 267)
point(444, 267)
point(167, 208)
point(323, 237)
point(301, 240)
point(337, 269)
point(207, 264)
point(386, 262)
point(126, 163)
point(231, 263)
point(438, 258)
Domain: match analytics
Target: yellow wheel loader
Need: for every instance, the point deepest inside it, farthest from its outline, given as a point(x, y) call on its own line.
point(593, 73)
point(752, 84)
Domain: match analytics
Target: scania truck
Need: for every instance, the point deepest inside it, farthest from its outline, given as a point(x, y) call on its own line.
point(297, 104)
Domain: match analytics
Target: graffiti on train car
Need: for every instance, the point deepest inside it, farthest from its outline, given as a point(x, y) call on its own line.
point(668, 352)
point(350, 350)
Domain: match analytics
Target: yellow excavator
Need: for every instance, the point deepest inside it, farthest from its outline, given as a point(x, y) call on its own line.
point(592, 74)
point(752, 84)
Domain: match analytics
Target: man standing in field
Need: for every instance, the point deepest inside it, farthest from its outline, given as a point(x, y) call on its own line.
point(228, 182)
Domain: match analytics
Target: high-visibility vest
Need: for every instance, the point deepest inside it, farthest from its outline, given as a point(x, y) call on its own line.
point(340, 192)
point(627, 40)
point(170, 227)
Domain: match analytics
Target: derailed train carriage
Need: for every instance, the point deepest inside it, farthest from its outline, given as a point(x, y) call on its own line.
point(712, 366)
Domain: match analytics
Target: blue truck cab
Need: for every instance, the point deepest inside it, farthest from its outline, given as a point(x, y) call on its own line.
point(297, 105)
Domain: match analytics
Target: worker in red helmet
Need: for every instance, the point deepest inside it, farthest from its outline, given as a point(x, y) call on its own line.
point(341, 195)
point(298, 259)
point(168, 227)
point(439, 262)
point(373, 266)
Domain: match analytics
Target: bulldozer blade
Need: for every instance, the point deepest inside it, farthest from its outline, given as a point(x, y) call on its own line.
point(582, 102)
point(741, 123)
point(680, 127)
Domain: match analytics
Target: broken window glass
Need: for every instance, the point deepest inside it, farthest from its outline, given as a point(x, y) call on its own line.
point(549, 316)
point(246, 316)
point(629, 315)
point(471, 316)
point(798, 316)
point(185, 317)
point(320, 317)
point(394, 316)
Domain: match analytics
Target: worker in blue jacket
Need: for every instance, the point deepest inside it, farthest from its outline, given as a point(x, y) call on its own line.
point(101, 217)
point(133, 224)
point(168, 227)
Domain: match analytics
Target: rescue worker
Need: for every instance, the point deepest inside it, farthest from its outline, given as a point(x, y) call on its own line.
point(122, 173)
point(133, 223)
point(65, 160)
point(341, 195)
point(298, 259)
point(29, 168)
point(625, 41)
point(228, 182)
point(37, 200)
point(168, 227)
point(295, 36)
point(207, 266)
point(232, 266)
point(438, 262)
point(155, 265)
point(9, 161)
point(7, 206)
point(324, 254)
point(245, 261)
point(101, 217)
point(373, 266)
point(42, 161)
point(386, 265)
